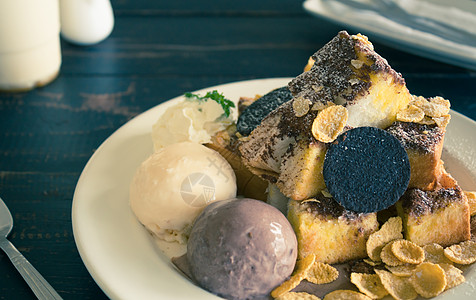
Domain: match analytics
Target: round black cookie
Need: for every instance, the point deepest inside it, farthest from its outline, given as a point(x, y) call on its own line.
point(258, 110)
point(366, 169)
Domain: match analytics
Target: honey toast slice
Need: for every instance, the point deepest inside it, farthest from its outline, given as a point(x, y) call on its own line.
point(346, 71)
point(326, 229)
point(424, 145)
point(301, 175)
point(439, 216)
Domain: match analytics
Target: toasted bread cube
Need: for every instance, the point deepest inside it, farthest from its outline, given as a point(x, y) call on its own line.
point(439, 216)
point(301, 170)
point(327, 230)
point(424, 144)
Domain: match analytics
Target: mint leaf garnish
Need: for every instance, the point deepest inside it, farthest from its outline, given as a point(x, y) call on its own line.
point(215, 96)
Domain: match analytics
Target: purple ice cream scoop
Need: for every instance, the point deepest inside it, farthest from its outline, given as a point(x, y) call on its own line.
point(241, 248)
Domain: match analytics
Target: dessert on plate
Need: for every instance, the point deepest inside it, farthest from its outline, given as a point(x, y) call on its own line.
point(352, 162)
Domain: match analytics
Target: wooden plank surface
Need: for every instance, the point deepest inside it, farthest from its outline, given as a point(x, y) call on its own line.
point(157, 51)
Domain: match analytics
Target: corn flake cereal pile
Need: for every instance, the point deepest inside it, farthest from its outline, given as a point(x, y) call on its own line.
point(402, 269)
point(426, 111)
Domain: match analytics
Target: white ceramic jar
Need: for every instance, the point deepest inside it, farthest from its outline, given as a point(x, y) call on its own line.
point(86, 22)
point(30, 52)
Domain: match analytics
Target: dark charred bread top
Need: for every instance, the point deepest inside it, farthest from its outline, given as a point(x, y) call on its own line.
point(337, 74)
point(291, 125)
point(331, 72)
point(419, 137)
point(328, 207)
point(416, 202)
point(473, 228)
point(341, 74)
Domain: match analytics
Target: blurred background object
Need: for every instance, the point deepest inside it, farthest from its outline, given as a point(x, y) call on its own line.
point(442, 30)
point(86, 22)
point(30, 53)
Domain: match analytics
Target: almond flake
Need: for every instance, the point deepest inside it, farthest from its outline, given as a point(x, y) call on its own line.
point(316, 88)
point(357, 63)
point(301, 106)
point(321, 105)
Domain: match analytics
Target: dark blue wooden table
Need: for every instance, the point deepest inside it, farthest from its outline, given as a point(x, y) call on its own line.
point(158, 50)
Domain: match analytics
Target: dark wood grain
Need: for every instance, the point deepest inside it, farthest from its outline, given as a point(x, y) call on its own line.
point(158, 50)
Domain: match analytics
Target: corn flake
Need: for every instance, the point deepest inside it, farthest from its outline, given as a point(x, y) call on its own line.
point(297, 296)
point(369, 284)
point(371, 262)
point(433, 107)
point(288, 285)
point(454, 276)
point(405, 270)
point(434, 253)
point(388, 257)
point(329, 123)
point(442, 121)
point(321, 273)
point(408, 252)
point(463, 253)
point(442, 102)
point(345, 295)
point(428, 279)
point(398, 287)
point(363, 39)
point(310, 63)
point(302, 267)
point(411, 114)
point(426, 121)
point(390, 230)
point(471, 201)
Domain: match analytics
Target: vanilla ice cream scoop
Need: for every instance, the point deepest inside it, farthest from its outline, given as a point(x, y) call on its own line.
point(173, 185)
point(189, 120)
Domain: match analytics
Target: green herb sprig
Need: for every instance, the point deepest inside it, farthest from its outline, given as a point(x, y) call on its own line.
point(215, 96)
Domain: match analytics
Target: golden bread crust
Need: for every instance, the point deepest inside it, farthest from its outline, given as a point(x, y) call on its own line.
point(330, 232)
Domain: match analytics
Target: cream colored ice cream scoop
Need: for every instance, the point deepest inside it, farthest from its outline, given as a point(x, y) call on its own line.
point(189, 120)
point(173, 186)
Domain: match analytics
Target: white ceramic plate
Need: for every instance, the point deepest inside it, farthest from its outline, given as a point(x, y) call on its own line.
point(400, 32)
point(127, 263)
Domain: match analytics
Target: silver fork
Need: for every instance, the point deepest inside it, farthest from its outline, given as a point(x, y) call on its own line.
point(38, 284)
